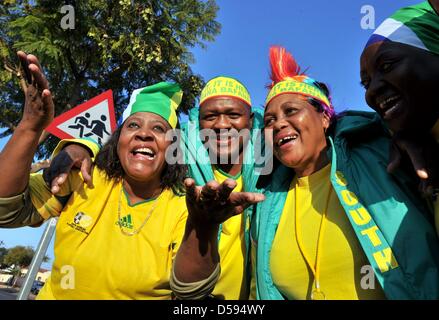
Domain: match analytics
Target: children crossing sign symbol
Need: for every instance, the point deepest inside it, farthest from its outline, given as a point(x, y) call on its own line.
point(94, 119)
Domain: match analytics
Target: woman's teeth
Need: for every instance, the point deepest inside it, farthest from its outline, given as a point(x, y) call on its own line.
point(145, 151)
point(286, 140)
point(389, 103)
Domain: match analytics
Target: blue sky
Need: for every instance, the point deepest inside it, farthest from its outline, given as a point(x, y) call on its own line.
point(324, 36)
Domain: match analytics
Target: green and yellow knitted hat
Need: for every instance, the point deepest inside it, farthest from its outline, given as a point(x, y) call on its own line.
point(162, 98)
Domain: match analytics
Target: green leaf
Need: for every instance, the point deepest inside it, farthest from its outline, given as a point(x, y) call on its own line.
point(116, 44)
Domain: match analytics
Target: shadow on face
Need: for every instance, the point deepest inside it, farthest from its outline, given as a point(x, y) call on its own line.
point(401, 82)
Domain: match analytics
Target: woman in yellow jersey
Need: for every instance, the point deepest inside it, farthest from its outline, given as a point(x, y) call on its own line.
point(115, 239)
point(400, 72)
point(221, 109)
point(334, 224)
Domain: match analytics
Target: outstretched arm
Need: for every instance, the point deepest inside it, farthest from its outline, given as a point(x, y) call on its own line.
point(16, 157)
point(208, 207)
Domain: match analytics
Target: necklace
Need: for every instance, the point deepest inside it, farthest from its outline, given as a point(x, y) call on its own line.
point(134, 232)
point(317, 293)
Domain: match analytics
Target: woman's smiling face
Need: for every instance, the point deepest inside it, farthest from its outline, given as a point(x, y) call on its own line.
point(401, 84)
point(298, 131)
point(142, 146)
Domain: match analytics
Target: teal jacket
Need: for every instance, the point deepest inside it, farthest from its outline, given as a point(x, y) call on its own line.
point(406, 256)
point(196, 156)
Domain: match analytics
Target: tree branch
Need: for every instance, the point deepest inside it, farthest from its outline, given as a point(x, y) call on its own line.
point(72, 64)
point(9, 69)
point(9, 124)
point(84, 70)
point(16, 72)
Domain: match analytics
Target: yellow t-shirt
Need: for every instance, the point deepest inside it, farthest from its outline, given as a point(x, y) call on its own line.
point(232, 282)
point(341, 257)
point(435, 132)
point(93, 258)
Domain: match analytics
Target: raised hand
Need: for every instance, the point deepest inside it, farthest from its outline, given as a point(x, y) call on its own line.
point(214, 203)
point(72, 156)
point(38, 108)
point(17, 155)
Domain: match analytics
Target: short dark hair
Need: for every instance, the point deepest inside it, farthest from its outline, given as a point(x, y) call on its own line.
point(108, 160)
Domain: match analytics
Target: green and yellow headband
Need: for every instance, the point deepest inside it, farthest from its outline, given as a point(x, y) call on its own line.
point(300, 85)
point(225, 87)
point(162, 99)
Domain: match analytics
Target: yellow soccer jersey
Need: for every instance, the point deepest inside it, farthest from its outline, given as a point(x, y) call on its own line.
point(94, 259)
point(232, 283)
point(342, 257)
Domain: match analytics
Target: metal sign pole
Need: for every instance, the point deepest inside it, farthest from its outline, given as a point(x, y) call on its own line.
point(40, 252)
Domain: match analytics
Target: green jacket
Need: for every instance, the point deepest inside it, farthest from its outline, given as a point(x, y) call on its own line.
point(196, 155)
point(406, 259)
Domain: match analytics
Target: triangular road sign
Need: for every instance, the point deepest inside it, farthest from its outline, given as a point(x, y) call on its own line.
point(93, 119)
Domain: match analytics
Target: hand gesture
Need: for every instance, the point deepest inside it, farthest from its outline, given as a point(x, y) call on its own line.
point(72, 156)
point(214, 203)
point(423, 152)
point(38, 108)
